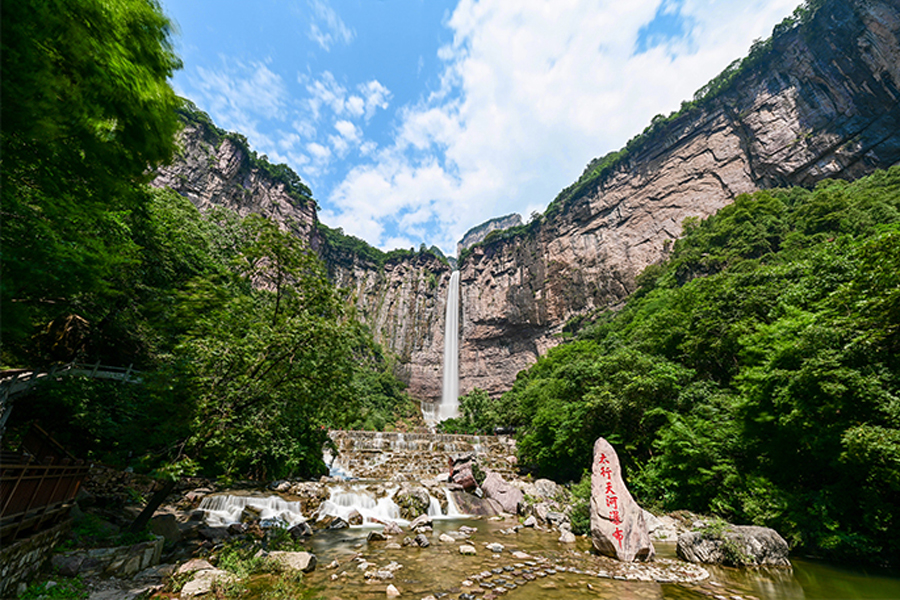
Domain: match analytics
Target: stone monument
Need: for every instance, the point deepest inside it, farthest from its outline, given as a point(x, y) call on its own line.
point(618, 529)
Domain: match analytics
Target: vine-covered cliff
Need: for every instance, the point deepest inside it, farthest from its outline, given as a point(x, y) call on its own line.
point(819, 99)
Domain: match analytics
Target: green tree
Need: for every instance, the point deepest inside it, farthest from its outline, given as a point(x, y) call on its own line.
point(87, 112)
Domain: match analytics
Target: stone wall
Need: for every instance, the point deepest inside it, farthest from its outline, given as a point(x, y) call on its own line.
point(418, 456)
point(20, 560)
point(121, 561)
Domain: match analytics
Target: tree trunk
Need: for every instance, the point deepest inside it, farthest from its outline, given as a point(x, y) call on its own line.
point(155, 501)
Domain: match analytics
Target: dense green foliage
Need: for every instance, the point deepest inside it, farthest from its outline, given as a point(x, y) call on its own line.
point(86, 108)
point(245, 353)
point(754, 375)
point(341, 245)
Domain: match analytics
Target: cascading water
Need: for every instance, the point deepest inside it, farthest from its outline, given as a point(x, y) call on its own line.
point(450, 397)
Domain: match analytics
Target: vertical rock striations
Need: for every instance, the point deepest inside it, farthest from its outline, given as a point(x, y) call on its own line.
point(215, 168)
point(402, 297)
point(819, 100)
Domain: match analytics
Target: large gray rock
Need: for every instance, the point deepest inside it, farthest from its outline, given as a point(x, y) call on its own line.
point(509, 496)
point(735, 546)
point(294, 561)
point(412, 500)
point(618, 529)
point(166, 525)
point(469, 504)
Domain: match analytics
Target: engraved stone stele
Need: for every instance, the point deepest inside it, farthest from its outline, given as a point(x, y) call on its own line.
point(618, 529)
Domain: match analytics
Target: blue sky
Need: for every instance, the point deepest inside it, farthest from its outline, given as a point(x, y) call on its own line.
point(414, 120)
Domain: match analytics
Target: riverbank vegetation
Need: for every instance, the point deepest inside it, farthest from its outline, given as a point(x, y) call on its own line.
point(753, 375)
point(244, 351)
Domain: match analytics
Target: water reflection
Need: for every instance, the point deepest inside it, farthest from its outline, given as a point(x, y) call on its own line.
point(440, 569)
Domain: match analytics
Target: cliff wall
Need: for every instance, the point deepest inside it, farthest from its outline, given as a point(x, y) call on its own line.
point(218, 169)
point(821, 101)
point(402, 299)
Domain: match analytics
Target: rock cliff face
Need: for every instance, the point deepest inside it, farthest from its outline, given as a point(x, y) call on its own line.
point(213, 169)
point(403, 302)
point(478, 233)
point(822, 102)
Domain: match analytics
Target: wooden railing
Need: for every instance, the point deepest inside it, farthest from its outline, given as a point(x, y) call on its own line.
point(19, 381)
point(34, 494)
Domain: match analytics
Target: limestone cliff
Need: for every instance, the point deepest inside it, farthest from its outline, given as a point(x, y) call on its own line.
point(478, 233)
point(215, 168)
point(818, 100)
point(401, 296)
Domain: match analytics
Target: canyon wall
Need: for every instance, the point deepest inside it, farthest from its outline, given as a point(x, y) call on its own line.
point(402, 299)
point(821, 102)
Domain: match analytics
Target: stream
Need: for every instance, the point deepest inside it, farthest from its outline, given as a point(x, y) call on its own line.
point(541, 568)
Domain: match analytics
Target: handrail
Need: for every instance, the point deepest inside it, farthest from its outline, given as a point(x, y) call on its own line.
point(19, 381)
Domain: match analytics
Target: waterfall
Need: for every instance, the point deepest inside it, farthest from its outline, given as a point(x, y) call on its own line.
point(450, 397)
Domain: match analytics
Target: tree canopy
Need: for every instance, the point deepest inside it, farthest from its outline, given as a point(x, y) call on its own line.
point(753, 375)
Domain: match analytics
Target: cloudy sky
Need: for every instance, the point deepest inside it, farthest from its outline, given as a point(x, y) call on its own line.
point(414, 120)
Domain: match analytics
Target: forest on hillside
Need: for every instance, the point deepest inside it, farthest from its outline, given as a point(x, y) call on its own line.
point(245, 351)
point(753, 375)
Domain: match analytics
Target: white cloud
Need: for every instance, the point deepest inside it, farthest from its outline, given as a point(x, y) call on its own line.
point(327, 27)
point(531, 91)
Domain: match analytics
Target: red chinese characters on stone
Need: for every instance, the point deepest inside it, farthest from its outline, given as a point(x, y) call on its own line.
point(605, 472)
point(618, 535)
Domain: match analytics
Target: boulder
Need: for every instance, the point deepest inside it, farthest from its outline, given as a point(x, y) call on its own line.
point(618, 529)
point(467, 550)
point(300, 530)
point(412, 500)
point(166, 525)
point(530, 522)
point(735, 546)
point(509, 496)
point(469, 504)
point(355, 518)
point(376, 536)
point(294, 561)
point(391, 528)
point(203, 581)
point(420, 521)
point(421, 541)
point(463, 470)
point(195, 564)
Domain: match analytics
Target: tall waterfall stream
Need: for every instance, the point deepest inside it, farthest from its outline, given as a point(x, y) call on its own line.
point(450, 396)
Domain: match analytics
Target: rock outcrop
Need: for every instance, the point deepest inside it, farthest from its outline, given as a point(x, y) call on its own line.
point(403, 301)
point(618, 529)
point(735, 546)
point(822, 102)
point(478, 233)
point(214, 168)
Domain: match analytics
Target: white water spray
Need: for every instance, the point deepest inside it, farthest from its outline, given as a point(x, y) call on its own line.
point(450, 397)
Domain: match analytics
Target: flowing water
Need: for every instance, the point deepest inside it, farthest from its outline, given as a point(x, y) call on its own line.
point(450, 397)
point(550, 570)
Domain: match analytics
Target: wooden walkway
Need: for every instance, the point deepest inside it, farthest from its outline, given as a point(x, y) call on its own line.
point(18, 381)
